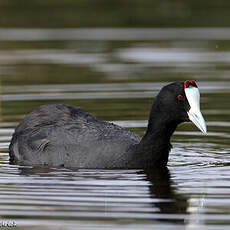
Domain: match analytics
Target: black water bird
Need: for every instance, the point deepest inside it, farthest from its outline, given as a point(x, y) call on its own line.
point(63, 135)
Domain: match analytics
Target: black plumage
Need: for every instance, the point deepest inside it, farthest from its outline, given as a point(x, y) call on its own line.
point(63, 135)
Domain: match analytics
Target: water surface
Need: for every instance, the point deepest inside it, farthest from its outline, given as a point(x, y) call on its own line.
point(115, 74)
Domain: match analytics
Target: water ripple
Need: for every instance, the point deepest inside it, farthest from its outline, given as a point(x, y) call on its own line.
point(124, 34)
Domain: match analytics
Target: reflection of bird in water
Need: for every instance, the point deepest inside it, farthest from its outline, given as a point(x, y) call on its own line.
point(165, 200)
point(168, 201)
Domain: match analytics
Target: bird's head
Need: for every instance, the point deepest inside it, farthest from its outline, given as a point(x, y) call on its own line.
point(180, 102)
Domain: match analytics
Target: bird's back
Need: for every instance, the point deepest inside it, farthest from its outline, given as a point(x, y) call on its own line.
point(62, 135)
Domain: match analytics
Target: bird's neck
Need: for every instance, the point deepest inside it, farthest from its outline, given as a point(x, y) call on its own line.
point(153, 149)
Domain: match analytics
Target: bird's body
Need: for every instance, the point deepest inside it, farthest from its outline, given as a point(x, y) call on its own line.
point(70, 136)
point(63, 135)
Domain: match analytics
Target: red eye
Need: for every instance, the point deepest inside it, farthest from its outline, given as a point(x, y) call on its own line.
point(180, 97)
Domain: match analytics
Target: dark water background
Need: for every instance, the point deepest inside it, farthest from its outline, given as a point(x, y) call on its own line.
point(111, 58)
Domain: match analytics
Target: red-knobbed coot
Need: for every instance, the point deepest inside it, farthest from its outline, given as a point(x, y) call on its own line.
point(63, 135)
